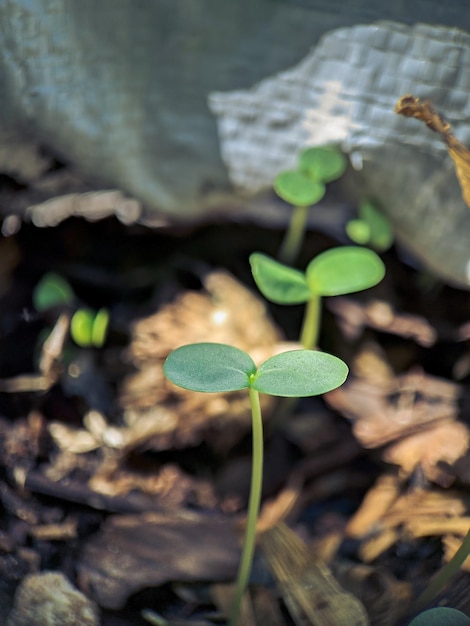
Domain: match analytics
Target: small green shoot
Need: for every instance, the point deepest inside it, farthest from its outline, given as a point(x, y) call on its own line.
point(371, 228)
point(304, 187)
point(52, 290)
point(214, 367)
point(87, 328)
point(443, 577)
point(335, 272)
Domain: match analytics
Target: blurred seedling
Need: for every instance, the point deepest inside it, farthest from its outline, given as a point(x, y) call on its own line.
point(441, 616)
point(440, 580)
point(304, 187)
point(214, 367)
point(335, 272)
point(88, 328)
point(371, 228)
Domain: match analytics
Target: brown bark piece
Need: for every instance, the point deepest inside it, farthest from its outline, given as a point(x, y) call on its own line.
point(134, 552)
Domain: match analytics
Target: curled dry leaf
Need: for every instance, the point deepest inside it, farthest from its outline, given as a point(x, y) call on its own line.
point(415, 416)
point(410, 106)
point(354, 316)
point(433, 450)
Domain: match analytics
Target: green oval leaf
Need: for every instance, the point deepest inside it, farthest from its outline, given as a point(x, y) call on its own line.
point(300, 373)
point(278, 282)
point(381, 232)
point(52, 290)
point(344, 270)
point(81, 327)
point(441, 616)
point(209, 367)
point(358, 231)
point(323, 164)
point(298, 189)
point(100, 328)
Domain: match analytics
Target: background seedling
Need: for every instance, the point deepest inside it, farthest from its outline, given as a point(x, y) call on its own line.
point(214, 367)
point(87, 328)
point(304, 187)
point(443, 577)
point(371, 228)
point(52, 290)
point(338, 271)
point(441, 616)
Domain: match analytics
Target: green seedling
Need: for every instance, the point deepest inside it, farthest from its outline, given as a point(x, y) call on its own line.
point(87, 328)
point(304, 187)
point(52, 290)
point(371, 228)
point(214, 367)
point(338, 271)
point(443, 577)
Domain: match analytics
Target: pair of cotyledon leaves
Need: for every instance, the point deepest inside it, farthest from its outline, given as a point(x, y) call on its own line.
point(214, 367)
point(332, 273)
point(306, 185)
point(87, 328)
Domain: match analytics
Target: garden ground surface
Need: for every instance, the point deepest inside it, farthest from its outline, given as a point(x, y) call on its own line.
point(136, 491)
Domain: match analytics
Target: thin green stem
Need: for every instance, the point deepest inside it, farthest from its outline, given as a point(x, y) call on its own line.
point(294, 236)
point(311, 323)
point(254, 502)
point(443, 577)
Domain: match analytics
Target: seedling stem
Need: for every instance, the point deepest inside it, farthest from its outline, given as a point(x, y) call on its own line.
point(253, 506)
point(311, 323)
point(294, 236)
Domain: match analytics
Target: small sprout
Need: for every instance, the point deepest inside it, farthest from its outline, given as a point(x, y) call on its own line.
point(214, 367)
point(358, 231)
point(89, 329)
point(335, 272)
point(441, 616)
point(304, 187)
point(52, 290)
point(371, 228)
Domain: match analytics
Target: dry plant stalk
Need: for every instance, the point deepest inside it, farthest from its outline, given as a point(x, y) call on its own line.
point(410, 106)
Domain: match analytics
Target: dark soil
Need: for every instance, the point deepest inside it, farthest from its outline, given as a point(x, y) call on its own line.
point(133, 271)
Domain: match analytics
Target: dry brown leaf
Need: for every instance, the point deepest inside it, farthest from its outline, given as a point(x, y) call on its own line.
point(415, 415)
point(354, 316)
point(412, 514)
point(404, 405)
point(375, 504)
point(434, 450)
point(410, 106)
